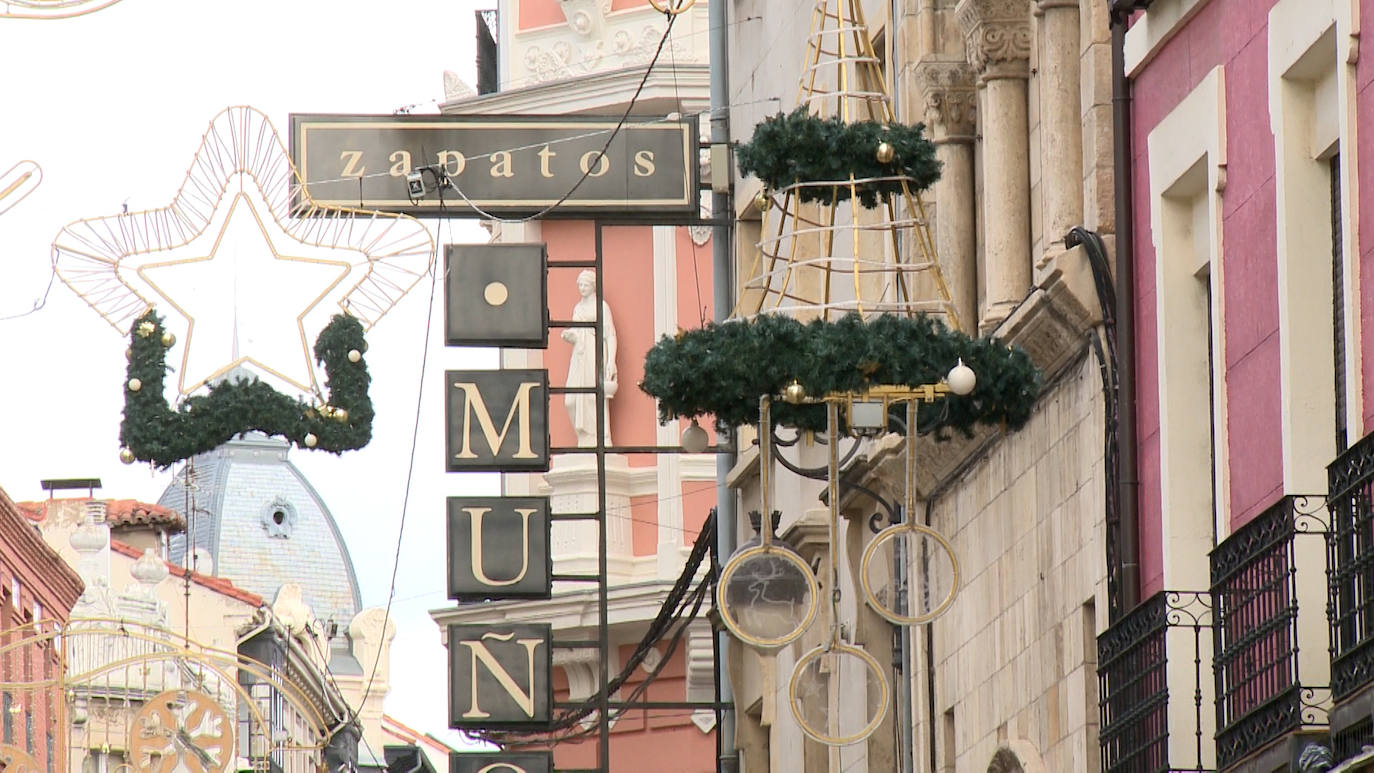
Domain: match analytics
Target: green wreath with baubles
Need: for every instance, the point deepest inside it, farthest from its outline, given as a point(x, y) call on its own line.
point(724, 368)
point(825, 154)
point(152, 431)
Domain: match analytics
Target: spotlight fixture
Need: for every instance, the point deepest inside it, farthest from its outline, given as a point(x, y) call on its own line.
point(415, 184)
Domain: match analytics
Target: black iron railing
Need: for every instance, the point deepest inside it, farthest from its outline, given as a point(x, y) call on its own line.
point(1350, 568)
point(1260, 696)
point(1133, 682)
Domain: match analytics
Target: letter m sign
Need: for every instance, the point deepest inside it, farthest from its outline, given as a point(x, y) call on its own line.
point(498, 420)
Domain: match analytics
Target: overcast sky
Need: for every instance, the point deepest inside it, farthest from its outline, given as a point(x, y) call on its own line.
point(113, 106)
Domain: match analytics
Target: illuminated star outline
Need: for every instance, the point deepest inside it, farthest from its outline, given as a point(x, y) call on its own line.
point(17, 182)
point(101, 259)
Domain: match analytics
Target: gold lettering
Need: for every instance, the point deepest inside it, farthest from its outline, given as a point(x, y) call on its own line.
point(525, 700)
point(602, 165)
point(400, 165)
point(460, 162)
point(476, 405)
point(351, 166)
point(476, 514)
point(644, 163)
point(544, 155)
point(503, 766)
point(500, 164)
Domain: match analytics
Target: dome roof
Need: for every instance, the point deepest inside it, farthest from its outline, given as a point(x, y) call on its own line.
point(264, 525)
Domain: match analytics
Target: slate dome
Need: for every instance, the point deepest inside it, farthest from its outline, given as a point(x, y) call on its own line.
point(262, 524)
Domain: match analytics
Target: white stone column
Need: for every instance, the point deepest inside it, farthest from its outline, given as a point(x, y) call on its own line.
point(1061, 123)
point(950, 112)
point(997, 39)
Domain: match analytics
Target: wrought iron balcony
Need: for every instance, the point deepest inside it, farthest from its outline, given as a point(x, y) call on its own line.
point(1134, 675)
point(1260, 695)
point(1350, 560)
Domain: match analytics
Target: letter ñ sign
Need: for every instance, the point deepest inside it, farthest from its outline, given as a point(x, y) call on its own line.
point(498, 548)
point(500, 762)
point(500, 676)
point(498, 420)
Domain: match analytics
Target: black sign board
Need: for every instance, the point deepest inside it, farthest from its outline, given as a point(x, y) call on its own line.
point(495, 295)
point(500, 762)
point(498, 548)
point(506, 165)
point(498, 420)
point(500, 676)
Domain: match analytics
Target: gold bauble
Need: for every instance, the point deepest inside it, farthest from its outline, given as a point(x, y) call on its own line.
point(126, 456)
point(146, 329)
point(135, 385)
point(341, 415)
point(761, 201)
point(327, 411)
point(885, 153)
point(168, 338)
point(794, 393)
point(129, 353)
point(354, 355)
point(310, 440)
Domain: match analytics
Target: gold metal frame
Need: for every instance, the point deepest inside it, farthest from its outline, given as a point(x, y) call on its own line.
point(892, 533)
point(98, 257)
point(842, 76)
point(18, 182)
point(873, 666)
point(150, 735)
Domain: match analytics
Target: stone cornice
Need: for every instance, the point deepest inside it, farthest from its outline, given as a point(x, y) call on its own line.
point(997, 36)
point(950, 98)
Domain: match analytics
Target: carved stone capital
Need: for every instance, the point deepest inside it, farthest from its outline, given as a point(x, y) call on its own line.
point(997, 36)
point(950, 98)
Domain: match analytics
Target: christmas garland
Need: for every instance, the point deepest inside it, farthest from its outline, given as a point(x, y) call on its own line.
point(801, 148)
point(724, 368)
point(153, 432)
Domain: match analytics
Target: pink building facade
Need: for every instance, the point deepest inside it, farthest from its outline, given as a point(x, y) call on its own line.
point(1253, 295)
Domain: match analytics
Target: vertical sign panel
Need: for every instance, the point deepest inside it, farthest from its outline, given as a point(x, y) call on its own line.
point(498, 548)
point(500, 762)
point(496, 295)
point(498, 420)
point(500, 676)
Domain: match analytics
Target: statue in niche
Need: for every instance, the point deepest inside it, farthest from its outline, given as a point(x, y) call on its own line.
point(582, 364)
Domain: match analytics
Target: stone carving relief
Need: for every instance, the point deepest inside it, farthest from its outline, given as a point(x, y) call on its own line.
point(997, 36)
point(586, 17)
point(596, 40)
point(951, 99)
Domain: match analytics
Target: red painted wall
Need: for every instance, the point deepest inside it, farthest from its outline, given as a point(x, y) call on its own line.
point(1231, 33)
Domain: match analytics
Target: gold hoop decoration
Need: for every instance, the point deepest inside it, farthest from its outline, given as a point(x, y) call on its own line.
point(827, 675)
point(892, 533)
point(52, 9)
point(182, 728)
point(670, 8)
point(766, 584)
point(15, 760)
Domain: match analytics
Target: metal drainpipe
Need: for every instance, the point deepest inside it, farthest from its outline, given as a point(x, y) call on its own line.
point(1128, 481)
point(722, 275)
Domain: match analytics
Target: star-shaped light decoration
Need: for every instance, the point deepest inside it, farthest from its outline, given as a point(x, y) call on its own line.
point(51, 9)
point(17, 182)
point(243, 206)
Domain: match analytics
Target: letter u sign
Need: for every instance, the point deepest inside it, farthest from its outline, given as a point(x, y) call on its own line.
point(498, 548)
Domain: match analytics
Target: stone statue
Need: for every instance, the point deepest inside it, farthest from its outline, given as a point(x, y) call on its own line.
point(582, 364)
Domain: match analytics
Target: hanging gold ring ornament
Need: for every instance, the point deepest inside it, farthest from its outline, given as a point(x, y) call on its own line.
point(672, 8)
point(821, 665)
point(759, 586)
point(891, 534)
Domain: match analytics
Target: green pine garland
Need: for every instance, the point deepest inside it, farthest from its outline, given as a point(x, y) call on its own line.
point(724, 368)
point(155, 433)
point(801, 148)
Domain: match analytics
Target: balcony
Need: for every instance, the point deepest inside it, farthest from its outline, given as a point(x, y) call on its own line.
point(1350, 597)
point(1145, 728)
point(1258, 599)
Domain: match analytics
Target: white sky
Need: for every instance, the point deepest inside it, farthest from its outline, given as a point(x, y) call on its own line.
point(113, 106)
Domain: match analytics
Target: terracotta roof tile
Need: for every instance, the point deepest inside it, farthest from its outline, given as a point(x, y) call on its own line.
point(119, 512)
point(217, 584)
